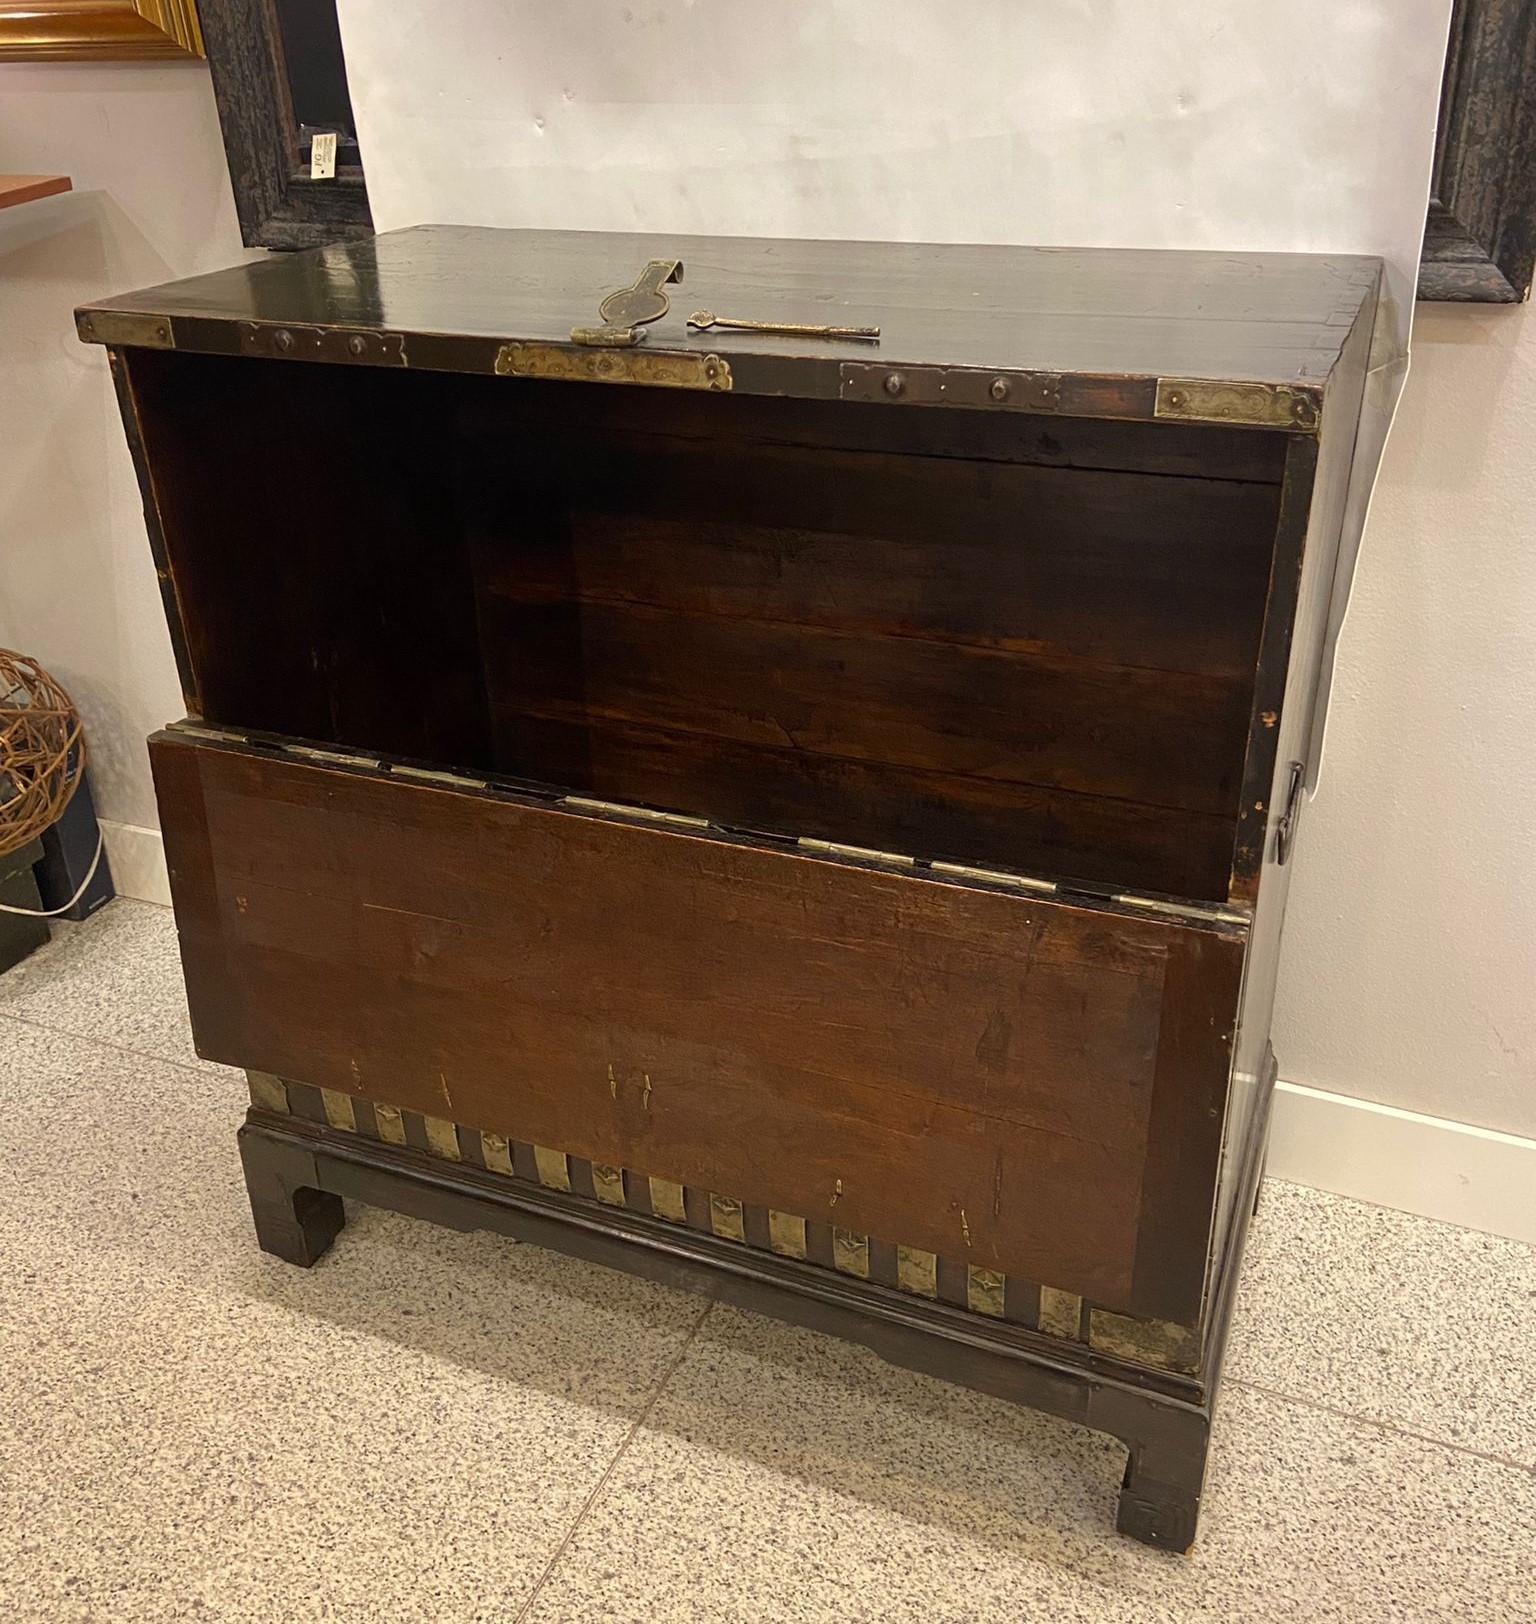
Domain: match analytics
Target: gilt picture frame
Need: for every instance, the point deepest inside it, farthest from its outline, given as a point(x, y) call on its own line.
point(99, 30)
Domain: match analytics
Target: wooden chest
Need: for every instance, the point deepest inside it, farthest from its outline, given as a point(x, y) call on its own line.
point(804, 818)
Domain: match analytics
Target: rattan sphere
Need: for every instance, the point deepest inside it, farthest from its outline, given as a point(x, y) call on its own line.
point(42, 750)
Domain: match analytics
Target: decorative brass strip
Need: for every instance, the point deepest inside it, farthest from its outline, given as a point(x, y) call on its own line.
point(391, 1123)
point(1156, 1343)
point(1259, 405)
point(984, 1290)
point(338, 1109)
point(554, 1168)
point(268, 1093)
point(496, 1152)
point(358, 345)
point(442, 1137)
point(786, 1234)
point(667, 1201)
point(608, 1183)
point(1147, 1342)
point(126, 327)
point(661, 369)
point(726, 1218)
point(1061, 1313)
point(850, 1252)
point(917, 1271)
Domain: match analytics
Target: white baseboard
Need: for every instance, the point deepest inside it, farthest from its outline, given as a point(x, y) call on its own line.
point(1472, 1177)
point(137, 857)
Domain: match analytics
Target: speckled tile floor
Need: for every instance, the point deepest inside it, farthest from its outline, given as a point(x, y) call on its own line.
point(441, 1427)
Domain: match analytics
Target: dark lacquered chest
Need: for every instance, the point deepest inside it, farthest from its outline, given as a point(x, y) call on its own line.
point(805, 819)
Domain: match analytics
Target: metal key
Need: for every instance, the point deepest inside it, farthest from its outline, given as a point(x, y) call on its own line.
point(705, 319)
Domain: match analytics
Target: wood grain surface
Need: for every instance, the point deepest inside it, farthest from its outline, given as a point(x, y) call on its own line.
point(932, 1063)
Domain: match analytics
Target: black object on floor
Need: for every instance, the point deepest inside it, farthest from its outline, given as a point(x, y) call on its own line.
point(20, 934)
point(68, 848)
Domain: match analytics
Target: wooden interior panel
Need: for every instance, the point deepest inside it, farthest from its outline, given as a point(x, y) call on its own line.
point(1003, 641)
point(320, 566)
point(938, 1064)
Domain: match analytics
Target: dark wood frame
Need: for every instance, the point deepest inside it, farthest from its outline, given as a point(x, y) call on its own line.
point(278, 204)
point(1480, 237)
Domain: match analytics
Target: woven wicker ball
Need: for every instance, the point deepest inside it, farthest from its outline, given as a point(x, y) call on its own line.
point(42, 750)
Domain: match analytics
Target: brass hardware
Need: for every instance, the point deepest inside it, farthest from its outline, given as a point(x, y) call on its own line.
point(665, 369)
point(585, 803)
point(1182, 910)
point(726, 1218)
point(1148, 1342)
point(994, 876)
point(127, 328)
point(608, 1184)
point(1258, 405)
point(667, 1201)
point(850, 1252)
point(1061, 1313)
point(984, 1290)
point(1157, 1343)
point(553, 1167)
point(268, 1093)
point(786, 1234)
point(917, 1271)
point(703, 320)
point(834, 848)
point(496, 1153)
point(442, 1138)
point(614, 338)
point(391, 1123)
point(340, 758)
point(625, 310)
point(361, 347)
point(1285, 829)
point(338, 1110)
point(428, 775)
point(950, 386)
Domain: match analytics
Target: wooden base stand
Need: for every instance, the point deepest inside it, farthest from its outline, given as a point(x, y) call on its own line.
point(298, 1173)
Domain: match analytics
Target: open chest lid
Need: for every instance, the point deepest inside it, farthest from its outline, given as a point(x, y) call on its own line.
point(1096, 332)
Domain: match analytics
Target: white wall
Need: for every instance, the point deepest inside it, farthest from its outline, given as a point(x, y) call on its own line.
point(1409, 968)
point(151, 202)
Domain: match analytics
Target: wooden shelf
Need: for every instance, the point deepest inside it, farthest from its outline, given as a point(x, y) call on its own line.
point(24, 188)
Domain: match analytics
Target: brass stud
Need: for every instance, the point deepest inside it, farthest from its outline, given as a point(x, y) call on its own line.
point(554, 1167)
point(338, 1110)
point(390, 1123)
point(496, 1152)
point(786, 1234)
point(442, 1137)
point(1061, 1313)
